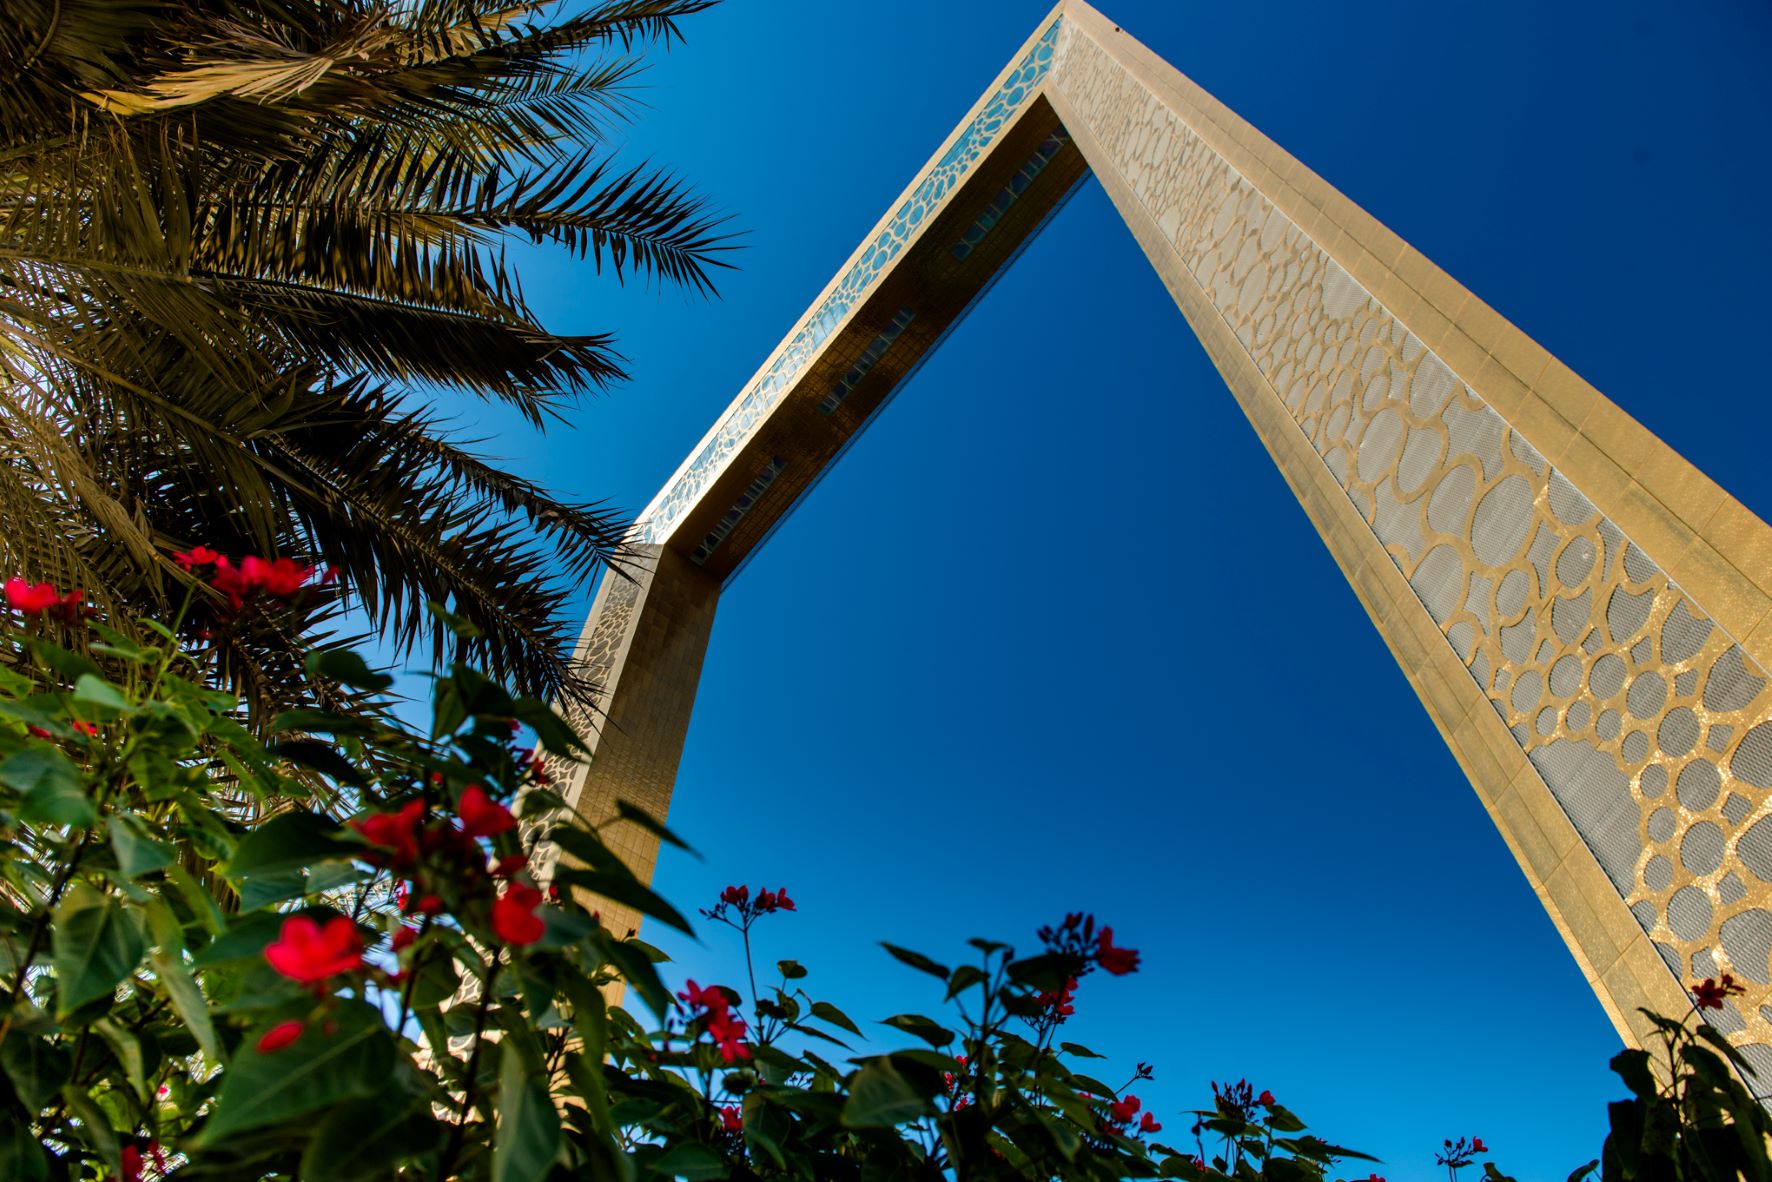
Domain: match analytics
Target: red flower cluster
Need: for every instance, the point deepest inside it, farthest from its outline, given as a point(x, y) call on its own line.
point(738, 909)
point(724, 1027)
point(439, 854)
point(731, 1119)
point(1455, 1155)
point(36, 599)
point(1238, 1099)
point(278, 578)
point(1057, 1002)
point(1077, 937)
point(305, 951)
point(1121, 1112)
point(1709, 994)
point(130, 1159)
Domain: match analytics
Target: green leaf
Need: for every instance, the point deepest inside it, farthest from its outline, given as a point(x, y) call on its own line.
point(1581, 1172)
point(528, 1137)
point(917, 961)
point(436, 982)
point(352, 1062)
point(137, 853)
point(37, 1067)
point(123, 647)
point(625, 889)
point(262, 890)
point(365, 1138)
point(1081, 1052)
point(318, 722)
point(187, 1000)
point(96, 943)
point(635, 967)
point(99, 692)
point(588, 848)
point(1047, 971)
point(690, 1161)
point(68, 664)
point(827, 1012)
point(345, 666)
point(1283, 1120)
point(881, 1097)
point(318, 756)
point(930, 1031)
point(244, 937)
point(21, 1158)
point(287, 842)
point(128, 1049)
point(95, 1126)
point(964, 978)
point(791, 970)
point(635, 815)
point(551, 731)
point(50, 785)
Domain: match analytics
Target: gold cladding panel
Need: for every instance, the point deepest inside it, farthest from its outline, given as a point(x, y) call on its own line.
point(1646, 722)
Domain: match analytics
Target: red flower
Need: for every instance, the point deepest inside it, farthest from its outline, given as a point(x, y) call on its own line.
point(85, 728)
point(1149, 1124)
point(403, 938)
point(132, 1163)
point(738, 896)
point(727, 1029)
point(37, 732)
point(394, 831)
point(423, 904)
point(197, 556)
point(1057, 1002)
point(513, 915)
point(278, 1037)
point(34, 599)
point(731, 1119)
point(1118, 961)
point(1266, 1097)
point(509, 866)
point(482, 816)
point(279, 578)
point(1477, 1145)
point(306, 952)
point(712, 999)
point(554, 895)
point(1121, 1111)
point(1374, 1178)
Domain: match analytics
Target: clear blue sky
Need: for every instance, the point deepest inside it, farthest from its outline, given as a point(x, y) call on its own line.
point(1054, 635)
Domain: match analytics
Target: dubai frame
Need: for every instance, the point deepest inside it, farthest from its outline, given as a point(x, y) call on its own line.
point(1586, 617)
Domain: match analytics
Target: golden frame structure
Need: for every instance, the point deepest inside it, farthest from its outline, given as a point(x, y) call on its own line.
point(1586, 618)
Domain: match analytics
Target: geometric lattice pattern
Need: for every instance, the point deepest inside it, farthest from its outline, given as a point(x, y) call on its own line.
point(1649, 725)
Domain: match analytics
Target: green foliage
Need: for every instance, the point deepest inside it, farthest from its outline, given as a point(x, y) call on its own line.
point(242, 243)
point(199, 969)
point(1690, 1114)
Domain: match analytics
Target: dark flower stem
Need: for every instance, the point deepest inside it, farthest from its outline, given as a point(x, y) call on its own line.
point(446, 1164)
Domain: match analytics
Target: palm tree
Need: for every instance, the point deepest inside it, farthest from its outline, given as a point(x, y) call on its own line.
point(239, 239)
